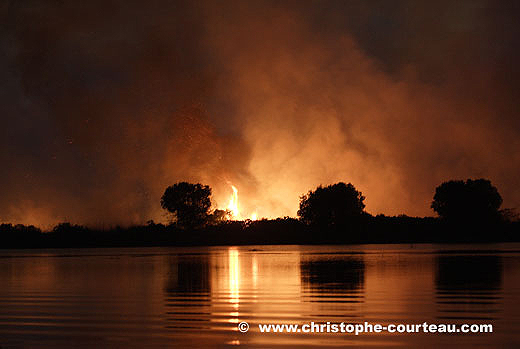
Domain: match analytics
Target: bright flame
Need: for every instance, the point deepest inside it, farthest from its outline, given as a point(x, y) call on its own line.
point(233, 206)
point(233, 203)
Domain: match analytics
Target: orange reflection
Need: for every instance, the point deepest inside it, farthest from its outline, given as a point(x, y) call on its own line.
point(234, 277)
point(254, 272)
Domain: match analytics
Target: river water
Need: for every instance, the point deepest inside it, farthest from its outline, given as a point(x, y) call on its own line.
point(196, 297)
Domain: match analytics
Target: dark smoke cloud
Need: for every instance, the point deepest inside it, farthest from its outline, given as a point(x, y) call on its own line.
point(106, 103)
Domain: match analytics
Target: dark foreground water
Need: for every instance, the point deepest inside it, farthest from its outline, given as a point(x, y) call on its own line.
point(195, 297)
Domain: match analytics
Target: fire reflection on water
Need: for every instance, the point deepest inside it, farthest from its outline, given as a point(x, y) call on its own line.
point(254, 272)
point(196, 296)
point(234, 277)
point(239, 279)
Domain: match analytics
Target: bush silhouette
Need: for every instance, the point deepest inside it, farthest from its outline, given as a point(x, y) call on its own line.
point(189, 203)
point(471, 200)
point(220, 216)
point(335, 205)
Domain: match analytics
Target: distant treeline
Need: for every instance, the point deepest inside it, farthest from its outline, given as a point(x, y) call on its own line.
point(469, 211)
point(371, 229)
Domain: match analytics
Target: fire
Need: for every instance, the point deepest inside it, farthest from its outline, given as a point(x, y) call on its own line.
point(233, 203)
point(233, 206)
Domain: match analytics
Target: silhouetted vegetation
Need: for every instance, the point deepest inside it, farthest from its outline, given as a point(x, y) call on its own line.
point(13, 236)
point(328, 215)
point(467, 201)
point(333, 206)
point(220, 216)
point(378, 229)
point(189, 204)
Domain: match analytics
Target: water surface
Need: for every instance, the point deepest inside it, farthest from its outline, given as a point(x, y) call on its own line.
point(195, 297)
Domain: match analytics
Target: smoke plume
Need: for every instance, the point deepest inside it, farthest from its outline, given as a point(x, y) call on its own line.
point(107, 103)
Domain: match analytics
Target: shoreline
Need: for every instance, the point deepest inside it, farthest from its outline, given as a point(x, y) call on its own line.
point(286, 231)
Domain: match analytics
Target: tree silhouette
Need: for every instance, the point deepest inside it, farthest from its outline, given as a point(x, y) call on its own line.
point(334, 205)
point(189, 203)
point(471, 200)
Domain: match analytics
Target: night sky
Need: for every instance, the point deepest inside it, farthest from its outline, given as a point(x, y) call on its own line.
point(106, 103)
